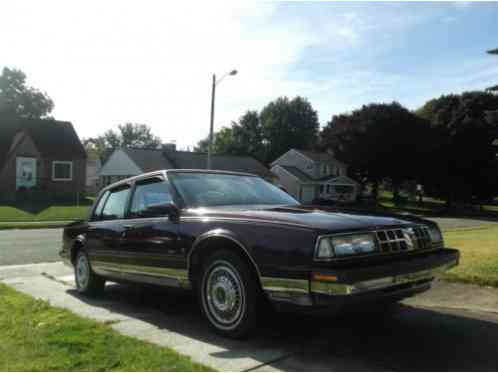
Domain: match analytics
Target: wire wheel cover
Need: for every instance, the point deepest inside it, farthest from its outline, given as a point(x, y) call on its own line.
point(224, 294)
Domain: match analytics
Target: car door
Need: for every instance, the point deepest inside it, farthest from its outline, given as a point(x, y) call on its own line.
point(106, 229)
point(150, 242)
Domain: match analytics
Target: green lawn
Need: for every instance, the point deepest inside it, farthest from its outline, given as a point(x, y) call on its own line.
point(37, 337)
point(49, 213)
point(429, 206)
point(479, 255)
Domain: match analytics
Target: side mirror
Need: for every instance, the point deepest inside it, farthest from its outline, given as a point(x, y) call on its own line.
point(163, 209)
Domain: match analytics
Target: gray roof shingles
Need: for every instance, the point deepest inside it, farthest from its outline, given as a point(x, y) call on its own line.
point(157, 159)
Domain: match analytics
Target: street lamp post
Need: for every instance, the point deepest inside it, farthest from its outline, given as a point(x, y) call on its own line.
point(213, 95)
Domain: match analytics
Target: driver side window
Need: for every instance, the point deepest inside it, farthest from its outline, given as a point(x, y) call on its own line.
point(149, 193)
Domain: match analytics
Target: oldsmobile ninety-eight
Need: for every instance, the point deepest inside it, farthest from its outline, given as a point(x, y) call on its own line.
point(237, 240)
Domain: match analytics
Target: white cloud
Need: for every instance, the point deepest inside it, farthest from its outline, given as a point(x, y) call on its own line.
point(105, 63)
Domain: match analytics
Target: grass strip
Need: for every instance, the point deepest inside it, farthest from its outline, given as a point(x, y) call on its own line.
point(37, 337)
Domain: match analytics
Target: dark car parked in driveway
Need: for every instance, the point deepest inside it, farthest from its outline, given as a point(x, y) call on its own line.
point(237, 240)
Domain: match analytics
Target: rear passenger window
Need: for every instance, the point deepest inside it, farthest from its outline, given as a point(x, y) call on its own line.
point(116, 203)
point(149, 193)
point(100, 205)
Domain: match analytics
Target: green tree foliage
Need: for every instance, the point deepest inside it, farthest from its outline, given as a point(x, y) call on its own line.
point(282, 124)
point(18, 100)
point(128, 135)
point(288, 124)
point(241, 138)
point(463, 165)
point(378, 141)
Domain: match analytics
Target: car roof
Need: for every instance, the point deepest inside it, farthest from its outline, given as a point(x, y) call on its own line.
point(165, 172)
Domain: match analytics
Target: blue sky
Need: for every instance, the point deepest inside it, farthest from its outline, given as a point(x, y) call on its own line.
point(408, 52)
point(106, 63)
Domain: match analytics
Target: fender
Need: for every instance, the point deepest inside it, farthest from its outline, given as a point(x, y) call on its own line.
point(220, 233)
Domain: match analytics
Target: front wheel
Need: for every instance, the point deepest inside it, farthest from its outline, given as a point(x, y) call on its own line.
point(228, 294)
point(87, 282)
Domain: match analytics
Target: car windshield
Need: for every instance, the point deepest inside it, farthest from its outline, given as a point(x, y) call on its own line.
point(210, 189)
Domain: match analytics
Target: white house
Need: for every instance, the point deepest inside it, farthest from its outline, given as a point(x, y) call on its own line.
point(308, 175)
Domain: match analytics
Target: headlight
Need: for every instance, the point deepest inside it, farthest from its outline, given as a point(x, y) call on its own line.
point(435, 234)
point(340, 246)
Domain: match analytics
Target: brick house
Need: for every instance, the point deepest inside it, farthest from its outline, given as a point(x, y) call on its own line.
point(40, 160)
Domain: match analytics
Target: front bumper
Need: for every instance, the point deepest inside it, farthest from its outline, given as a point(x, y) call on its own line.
point(334, 286)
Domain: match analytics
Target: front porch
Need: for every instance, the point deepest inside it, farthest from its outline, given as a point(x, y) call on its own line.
point(337, 189)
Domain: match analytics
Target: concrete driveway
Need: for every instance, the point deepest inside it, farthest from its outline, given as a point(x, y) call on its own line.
point(420, 335)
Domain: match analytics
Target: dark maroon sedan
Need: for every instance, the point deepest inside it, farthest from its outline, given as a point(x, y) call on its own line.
point(236, 240)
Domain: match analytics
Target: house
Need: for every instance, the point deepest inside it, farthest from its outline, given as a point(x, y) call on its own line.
point(128, 162)
point(93, 165)
point(40, 160)
point(308, 176)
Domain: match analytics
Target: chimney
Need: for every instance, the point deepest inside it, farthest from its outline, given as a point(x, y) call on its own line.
point(169, 147)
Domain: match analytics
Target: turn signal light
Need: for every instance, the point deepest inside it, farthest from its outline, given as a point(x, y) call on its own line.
point(323, 277)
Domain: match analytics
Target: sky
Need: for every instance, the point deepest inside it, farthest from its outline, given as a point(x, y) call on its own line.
point(110, 62)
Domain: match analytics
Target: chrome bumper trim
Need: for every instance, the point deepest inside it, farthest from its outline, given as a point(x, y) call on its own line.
point(287, 290)
point(332, 288)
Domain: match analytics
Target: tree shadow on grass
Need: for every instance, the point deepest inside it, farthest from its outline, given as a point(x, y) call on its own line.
point(403, 338)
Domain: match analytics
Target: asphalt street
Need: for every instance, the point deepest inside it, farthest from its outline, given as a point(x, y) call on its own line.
point(23, 246)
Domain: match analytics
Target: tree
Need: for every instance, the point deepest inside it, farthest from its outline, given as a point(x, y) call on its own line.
point(281, 125)
point(287, 124)
point(18, 100)
point(129, 135)
point(464, 167)
point(240, 138)
point(379, 141)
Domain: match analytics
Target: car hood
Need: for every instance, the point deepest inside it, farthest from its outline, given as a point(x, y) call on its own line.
point(324, 219)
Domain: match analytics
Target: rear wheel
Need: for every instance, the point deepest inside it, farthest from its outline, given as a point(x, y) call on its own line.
point(87, 282)
point(228, 294)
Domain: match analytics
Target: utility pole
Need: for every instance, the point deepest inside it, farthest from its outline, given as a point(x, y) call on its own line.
point(210, 144)
point(211, 124)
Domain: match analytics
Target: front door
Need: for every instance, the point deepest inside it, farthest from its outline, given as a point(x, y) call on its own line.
point(307, 194)
point(25, 172)
point(149, 242)
point(105, 231)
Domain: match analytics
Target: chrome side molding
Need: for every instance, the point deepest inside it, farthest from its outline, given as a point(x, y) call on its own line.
point(287, 290)
point(146, 274)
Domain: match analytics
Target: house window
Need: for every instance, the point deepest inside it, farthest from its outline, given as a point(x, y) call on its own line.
point(328, 188)
point(324, 169)
point(62, 171)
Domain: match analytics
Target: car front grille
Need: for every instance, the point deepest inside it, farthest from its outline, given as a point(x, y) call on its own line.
point(423, 238)
point(398, 240)
point(391, 240)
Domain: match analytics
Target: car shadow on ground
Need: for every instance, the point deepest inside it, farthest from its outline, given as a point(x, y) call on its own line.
point(398, 338)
